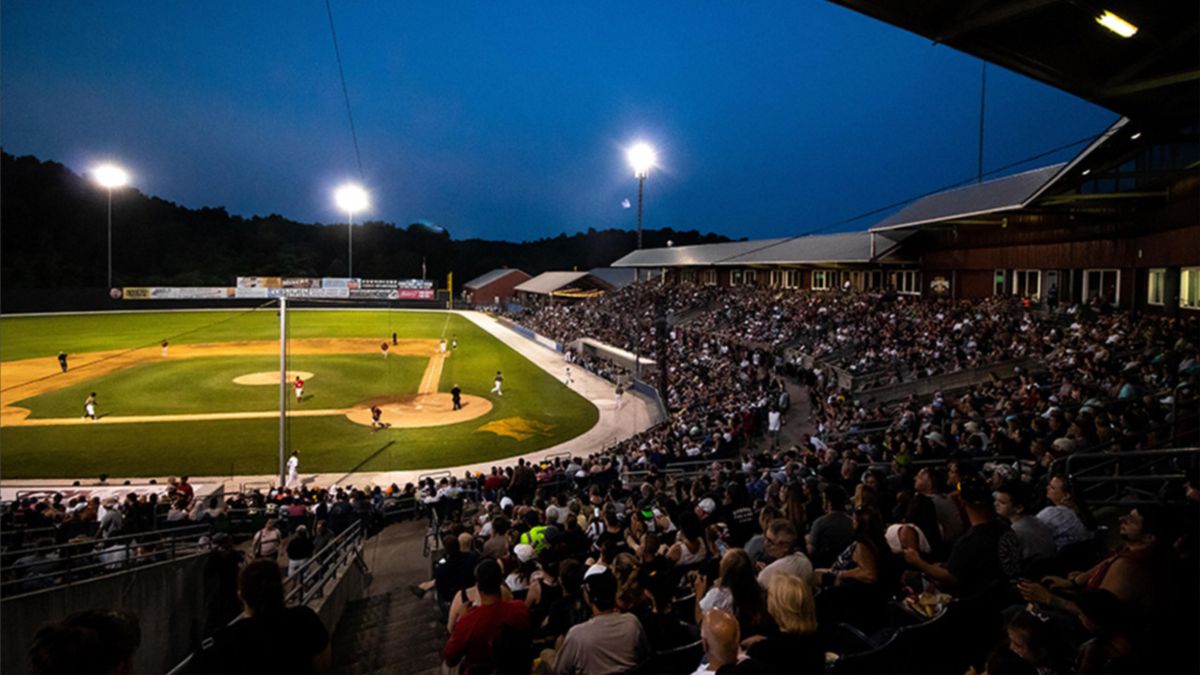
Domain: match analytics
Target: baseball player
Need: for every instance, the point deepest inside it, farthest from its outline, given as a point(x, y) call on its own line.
point(383, 346)
point(498, 381)
point(619, 394)
point(454, 342)
point(299, 385)
point(89, 407)
point(164, 347)
point(62, 361)
point(377, 418)
point(442, 346)
point(569, 380)
point(456, 397)
point(394, 340)
point(293, 468)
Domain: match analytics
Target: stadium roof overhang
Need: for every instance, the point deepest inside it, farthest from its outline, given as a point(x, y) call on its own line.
point(563, 284)
point(1152, 77)
point(849, 249)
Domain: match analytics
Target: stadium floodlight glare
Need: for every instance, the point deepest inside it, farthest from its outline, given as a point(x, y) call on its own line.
point(110, 177)
point(642, 158)
point(1116, 24)
point(350, 198)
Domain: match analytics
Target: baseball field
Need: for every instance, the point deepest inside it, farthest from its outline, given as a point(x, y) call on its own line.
point(208, 404)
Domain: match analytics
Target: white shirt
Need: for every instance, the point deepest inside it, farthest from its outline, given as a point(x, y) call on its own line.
point(773, 420)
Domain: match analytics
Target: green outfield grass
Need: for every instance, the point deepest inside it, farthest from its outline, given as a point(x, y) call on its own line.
point(205, 385)
point(239, 447)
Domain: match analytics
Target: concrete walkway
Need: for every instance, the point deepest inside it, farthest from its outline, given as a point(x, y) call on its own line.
point(636, 415)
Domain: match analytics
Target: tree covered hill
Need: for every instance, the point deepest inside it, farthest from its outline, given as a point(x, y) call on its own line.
point(54, 229)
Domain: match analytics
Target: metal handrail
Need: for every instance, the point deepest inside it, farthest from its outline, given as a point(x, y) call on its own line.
point(309, 580)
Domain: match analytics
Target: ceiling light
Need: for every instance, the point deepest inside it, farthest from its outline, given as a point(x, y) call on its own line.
point(1135, 136)
point(1116, 24)
point(1086, 172)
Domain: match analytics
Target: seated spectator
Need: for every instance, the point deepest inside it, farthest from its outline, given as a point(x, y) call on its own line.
point(493, 634)
point(737, 591)
point(93, 641)
point(269, 637)
point(722, 646)
point(609, 642)
point(832, 532)
point(918, 527)
point(795, 648)
point(780, 546)
point(931, 482)
point(299, 550)
point(985, 555)
point(1037, 539)
point(1062, 515)
point(663, 628)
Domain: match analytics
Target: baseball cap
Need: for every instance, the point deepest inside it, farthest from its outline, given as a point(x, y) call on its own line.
point(524, 552)
point(707, 505)
point(505, 502)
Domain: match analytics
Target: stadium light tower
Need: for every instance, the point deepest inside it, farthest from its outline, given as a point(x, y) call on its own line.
point(350, 198)
point(642, 158)
point(110, 176)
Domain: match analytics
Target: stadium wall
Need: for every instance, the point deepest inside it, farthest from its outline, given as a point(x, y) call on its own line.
point(170, 600)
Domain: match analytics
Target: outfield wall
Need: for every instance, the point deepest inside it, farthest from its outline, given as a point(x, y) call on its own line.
point(74, 300)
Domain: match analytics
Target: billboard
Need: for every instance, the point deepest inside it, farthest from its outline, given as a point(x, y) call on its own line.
point(393, 293)
point(416, 284)
point(177, 293)
point(259, 282)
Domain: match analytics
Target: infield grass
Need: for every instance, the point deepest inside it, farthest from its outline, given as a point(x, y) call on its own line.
point(543, 411)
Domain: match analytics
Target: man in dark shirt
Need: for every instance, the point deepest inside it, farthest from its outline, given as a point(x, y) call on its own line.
point(832, 532)
point(269, 637)
point(986, 554)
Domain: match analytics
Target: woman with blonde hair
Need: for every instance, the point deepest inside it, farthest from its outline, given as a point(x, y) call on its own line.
point(795, 648)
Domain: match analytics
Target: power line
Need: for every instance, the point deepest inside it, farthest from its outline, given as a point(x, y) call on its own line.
point(345, 91)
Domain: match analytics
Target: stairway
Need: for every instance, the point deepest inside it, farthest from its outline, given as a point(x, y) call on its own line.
point(391, 630)
point(389, 633)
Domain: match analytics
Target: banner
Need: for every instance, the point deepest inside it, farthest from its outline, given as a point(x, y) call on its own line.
point(250, 293)
point(338, 282)
point(308, 293)
point(301, 282)
point(423, 284)
point(393, 294)
point(259, 282)
point(177, 293)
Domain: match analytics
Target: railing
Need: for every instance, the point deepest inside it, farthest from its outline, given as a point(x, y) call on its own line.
point(308, 582)
point(1120, 478)
point(34, 569)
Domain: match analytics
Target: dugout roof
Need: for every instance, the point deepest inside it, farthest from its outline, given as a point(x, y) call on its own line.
point(1152, 77)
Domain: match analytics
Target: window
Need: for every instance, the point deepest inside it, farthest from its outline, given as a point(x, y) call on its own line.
point(791, 279)
point(735, 277)
point(1000, 282)
point(1154, 287)
point(907, 282)
point(1027, 283)
point(774, 278)
point(689, 276)
point(820, 280)
point(710, 277)
point(1105, 284)
point(750, 277)
point(1189, 287)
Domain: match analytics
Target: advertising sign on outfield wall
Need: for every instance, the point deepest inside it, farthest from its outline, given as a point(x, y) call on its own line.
point(370, 284)
point(177, 293)
point(393, 293)
point(301, 282)
point(259, 282)
point(337, 282)
point(308, 292)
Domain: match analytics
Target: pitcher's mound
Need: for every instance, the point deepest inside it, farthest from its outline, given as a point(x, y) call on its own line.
point(423, 410)
point(270, 377)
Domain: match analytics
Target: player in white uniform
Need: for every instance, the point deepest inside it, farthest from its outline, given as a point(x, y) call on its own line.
point(569, 380)
point(498, 382)
point(293, 469)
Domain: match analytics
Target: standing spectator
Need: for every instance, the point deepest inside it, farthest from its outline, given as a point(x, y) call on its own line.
point(185, 488)
point(494, 636)
point(609, 642)
point(266, 541)
point(269, 637)
point(299, 550)
point(221, 572)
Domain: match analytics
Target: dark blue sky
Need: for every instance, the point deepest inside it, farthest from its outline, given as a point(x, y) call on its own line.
point(508, 120)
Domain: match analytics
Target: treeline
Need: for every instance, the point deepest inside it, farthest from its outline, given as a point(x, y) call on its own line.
point(53, 236)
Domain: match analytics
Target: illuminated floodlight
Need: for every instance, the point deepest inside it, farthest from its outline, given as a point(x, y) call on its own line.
point(350, 198)
point(1116, 24)
point(110, 176)
point(642, 158)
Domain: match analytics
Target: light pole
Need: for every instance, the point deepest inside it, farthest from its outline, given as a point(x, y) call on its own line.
point(642, 158)
point(110, 176)
point(350, 198)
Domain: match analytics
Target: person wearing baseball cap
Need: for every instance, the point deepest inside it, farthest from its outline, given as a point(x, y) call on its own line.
point(609, 642)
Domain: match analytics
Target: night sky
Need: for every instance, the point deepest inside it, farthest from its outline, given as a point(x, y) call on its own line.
point(508, 120)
